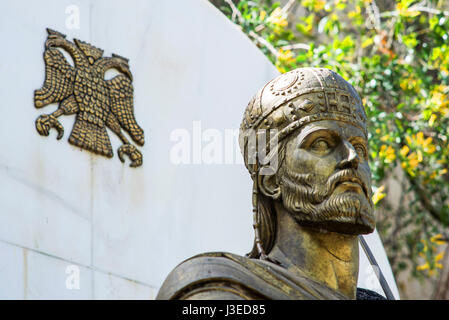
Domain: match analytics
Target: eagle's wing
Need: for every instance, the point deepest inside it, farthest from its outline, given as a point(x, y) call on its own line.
point(122, 106)
point(59, 79)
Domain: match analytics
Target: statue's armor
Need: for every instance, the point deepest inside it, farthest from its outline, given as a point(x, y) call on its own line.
point(223, 275)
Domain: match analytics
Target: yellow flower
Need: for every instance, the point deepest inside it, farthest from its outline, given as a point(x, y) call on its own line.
point(410, 83)
point(432, 119)
point(419, 138)
point(406, 12)
point(319, 5)
point(286, 57)
point(379, 194)
point(432, 265)
point(444, 70)
point(440, 99)
point(414, 160)
point(437, 98)
point(385, 138)
point(278, 18)
point(426, 266)
point(439, 257)
point(391, 156)
point(438, 240)
point(387, 153)
point(428, 146)
point(425, 144)
point(281, 69)
point(431, 149)
point(355, 13)
point(423, 267)
point(409, 141)
point(262, 15)
point(404, 151)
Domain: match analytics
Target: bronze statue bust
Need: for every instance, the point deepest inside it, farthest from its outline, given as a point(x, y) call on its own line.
point(304, 141)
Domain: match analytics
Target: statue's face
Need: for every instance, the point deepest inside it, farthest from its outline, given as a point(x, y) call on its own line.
point(325, 180)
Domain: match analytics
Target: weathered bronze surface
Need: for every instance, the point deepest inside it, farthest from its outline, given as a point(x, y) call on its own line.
point(83, 90)
point(308, 209)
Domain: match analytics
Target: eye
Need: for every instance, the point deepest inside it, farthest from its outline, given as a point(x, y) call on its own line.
point(361, 150)
point(320, 145)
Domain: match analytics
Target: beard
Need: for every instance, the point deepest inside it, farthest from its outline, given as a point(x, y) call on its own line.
point(315, 205)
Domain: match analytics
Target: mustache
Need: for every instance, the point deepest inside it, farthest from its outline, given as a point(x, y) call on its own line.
point(347, 175)
point(318, 192)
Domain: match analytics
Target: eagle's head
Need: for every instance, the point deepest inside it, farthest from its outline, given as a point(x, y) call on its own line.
point(92, 53)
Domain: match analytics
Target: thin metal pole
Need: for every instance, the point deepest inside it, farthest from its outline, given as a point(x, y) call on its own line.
point(380, 276)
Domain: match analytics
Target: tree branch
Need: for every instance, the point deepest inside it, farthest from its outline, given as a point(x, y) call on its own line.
point(425, 200)
point(235, 12)
point(288, 6)
point(264, 42)
point(417, 7)
point(428, 10)
point(296, 46)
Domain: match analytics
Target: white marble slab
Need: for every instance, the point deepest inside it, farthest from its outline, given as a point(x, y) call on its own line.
point(110, 287)
point(28, 274)
point(38, 218)
point(50, 278)
point(12, 278)
point(45, 194)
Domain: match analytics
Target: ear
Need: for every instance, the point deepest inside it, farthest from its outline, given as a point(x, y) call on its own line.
point(269, 186)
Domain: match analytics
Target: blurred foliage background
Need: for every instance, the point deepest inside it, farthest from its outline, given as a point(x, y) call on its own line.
point(396, 54)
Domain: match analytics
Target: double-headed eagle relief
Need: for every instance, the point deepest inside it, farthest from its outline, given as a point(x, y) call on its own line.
point(83, 90)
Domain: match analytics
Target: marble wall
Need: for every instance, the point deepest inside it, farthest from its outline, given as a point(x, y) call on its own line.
point(66, 214)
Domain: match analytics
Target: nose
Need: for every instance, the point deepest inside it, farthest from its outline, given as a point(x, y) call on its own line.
point(351, 161)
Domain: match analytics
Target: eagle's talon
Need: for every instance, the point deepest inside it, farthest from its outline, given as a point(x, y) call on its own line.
point(132, 152)
point(45, 122)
